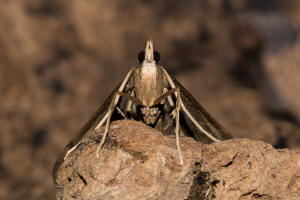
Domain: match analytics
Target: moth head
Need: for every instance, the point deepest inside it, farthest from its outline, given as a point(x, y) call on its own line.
point(149, 56)
point(150, 114)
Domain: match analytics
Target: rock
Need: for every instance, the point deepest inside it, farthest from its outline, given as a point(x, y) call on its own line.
point(138, 162)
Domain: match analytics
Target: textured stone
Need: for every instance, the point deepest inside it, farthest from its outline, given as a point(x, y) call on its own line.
point(138, 162)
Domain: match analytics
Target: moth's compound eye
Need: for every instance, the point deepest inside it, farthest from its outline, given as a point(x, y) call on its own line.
point(156, 56)
point(141, 56)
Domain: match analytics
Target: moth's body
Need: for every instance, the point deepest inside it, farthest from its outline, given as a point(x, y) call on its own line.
point(148, 84)
point(149, 94)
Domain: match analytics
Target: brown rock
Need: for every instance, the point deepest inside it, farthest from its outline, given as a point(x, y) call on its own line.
point(138, 162)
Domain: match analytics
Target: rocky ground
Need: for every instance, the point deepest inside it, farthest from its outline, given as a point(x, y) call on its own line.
point(138, 162)
point(60, 59)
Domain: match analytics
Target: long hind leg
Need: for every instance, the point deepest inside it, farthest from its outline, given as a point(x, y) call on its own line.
point(175, 91)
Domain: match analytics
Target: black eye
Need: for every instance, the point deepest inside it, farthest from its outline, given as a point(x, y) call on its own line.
point(141, 56)
point(156, 56)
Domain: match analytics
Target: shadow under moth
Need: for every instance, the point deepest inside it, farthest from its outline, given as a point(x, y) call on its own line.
point(149, 94)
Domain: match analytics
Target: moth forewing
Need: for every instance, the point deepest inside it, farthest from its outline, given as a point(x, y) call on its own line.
point(196, 121)
point(87, 132)
point(84, 133)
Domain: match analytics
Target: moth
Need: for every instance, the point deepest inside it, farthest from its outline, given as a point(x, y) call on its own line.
point(149, 94)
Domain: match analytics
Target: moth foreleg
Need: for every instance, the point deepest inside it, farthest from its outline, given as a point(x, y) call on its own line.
point(169, 98)
point(112, 106)
point(129, 97)
point(121, 89)
point(165, 95)
point(107, 116)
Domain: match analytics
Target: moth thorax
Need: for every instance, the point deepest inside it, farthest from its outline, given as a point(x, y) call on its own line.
point(148, 84)
point(148, 71)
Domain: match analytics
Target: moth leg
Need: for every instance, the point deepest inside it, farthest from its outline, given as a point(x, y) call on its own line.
point(184, 109)
point(129, 105)
point(121, 113)
point(110, 110)
point(76, 145)
point(169, 98)
point(173, 114)
point(71, 150)
point(178, 105)
point(101, 122)
point(121, 88)
point(131, 98)
point(165, 95)
point(177, 109)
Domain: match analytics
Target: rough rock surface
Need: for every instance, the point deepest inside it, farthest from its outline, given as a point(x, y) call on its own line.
point(138, 162)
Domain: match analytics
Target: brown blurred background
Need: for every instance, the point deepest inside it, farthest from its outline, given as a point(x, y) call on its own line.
point(60, 59)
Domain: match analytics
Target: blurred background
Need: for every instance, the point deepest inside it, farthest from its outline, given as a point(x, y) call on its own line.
point(59, 60)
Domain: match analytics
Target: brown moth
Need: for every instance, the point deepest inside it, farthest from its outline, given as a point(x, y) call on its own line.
point(149, 94)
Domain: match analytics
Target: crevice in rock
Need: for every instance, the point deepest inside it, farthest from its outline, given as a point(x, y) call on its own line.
point(82, 178)
point(248, 193)
point(230, 162)
point(261, 196)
